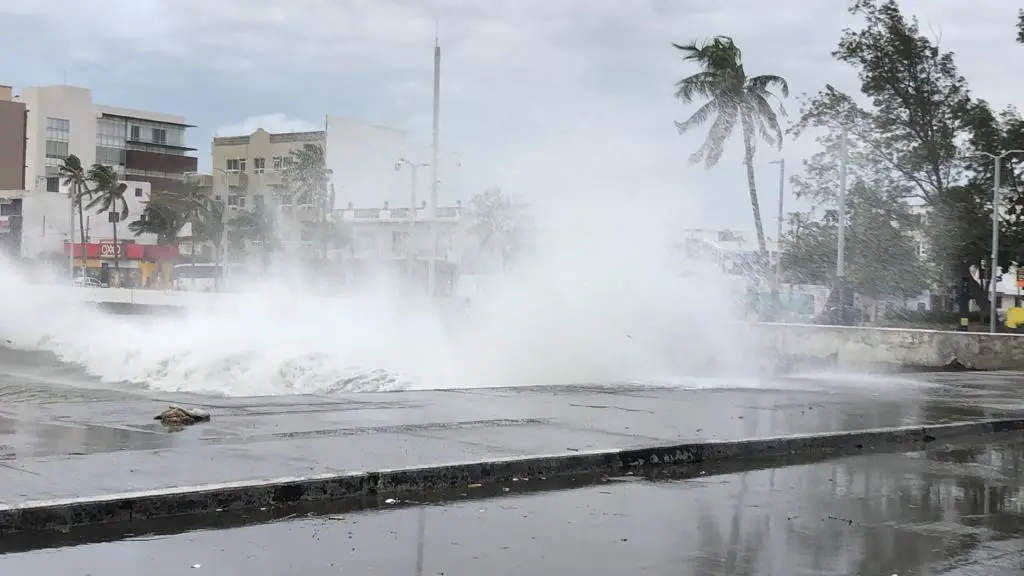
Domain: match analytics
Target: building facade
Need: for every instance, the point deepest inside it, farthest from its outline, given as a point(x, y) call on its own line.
point(12, 141)
point(247, 170)
point(141, 146)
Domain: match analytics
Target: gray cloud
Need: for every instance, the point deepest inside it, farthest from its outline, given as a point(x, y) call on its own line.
point(568, 98)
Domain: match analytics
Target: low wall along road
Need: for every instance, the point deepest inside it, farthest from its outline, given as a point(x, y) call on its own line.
point(794, 344)
point(862, 347)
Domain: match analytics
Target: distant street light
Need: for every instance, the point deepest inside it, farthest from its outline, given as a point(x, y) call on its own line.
point(413, 213)
point(994, 266)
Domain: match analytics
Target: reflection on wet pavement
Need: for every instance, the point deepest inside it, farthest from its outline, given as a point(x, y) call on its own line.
point(954, 512)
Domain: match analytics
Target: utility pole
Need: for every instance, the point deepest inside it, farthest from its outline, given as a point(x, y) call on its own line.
point(432, 265)
point(993, 272)
point(842, 314)
point(778, 237)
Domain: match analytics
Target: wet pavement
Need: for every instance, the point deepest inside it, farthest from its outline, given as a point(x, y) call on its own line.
point(108, 444)
point(952, 512)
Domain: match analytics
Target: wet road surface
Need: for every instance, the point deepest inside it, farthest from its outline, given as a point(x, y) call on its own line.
point(68, 449)
point(952, 512)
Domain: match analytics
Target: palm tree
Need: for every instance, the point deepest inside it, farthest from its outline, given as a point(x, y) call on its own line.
point(307, 180)
point(209, 226)
point(75, 178)
point(193, 204)
point(255, 226)
point(110, 200)
point(731, 96)
point(160, 218)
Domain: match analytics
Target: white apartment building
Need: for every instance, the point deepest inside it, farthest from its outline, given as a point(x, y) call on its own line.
point(64, 120)
point(46, 222)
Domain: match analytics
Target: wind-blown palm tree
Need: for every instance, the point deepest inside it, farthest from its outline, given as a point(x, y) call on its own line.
point(160, 218)
point(193, 204)
point(76, 179)
point(255, 226)
point(307, 180)
point(731, 97)
point(210, 225)
point(110, 200)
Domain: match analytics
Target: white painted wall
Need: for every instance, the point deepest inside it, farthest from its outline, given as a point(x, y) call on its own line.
point(362, 157)
point(45, 224)
point(68, 102)
point(46, 216)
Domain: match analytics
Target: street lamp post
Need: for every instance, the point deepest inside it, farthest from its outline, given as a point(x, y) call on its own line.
point(223, 251)
point(994, 266)
point(778, 237)
point(414, 167)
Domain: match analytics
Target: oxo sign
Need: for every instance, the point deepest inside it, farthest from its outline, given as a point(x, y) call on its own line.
point(111, 250)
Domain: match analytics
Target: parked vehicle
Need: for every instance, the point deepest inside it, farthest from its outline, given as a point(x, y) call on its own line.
point(89, 282)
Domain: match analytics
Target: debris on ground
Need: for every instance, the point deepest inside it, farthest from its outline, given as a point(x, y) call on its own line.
point(177, 417)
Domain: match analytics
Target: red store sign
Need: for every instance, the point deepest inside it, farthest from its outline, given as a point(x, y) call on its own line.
point(125, 251)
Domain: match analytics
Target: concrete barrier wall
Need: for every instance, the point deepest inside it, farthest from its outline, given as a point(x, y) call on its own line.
point(862, 347)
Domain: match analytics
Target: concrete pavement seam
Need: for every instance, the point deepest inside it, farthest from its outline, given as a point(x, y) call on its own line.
point(255, 495)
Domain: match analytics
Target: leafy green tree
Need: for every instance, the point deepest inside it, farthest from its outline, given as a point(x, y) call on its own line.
point(731, 97)
point(919, 106)
point(499, 223)
point(881, 253)
point(960, 222)
point(919, 100)
point(76, 179)
point(109, 199)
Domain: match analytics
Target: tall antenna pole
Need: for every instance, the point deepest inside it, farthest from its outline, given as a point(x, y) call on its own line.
point(432, 265)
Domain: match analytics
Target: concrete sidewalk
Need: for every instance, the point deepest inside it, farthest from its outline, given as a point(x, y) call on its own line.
point(88, 450)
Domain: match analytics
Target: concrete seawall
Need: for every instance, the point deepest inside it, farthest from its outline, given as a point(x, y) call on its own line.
point(865, 348)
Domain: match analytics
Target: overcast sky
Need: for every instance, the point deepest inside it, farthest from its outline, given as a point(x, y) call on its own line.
point(557, 97)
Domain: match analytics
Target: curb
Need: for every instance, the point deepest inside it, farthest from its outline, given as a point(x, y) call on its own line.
point(46, 515)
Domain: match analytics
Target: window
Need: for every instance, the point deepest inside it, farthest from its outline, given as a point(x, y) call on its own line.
point(58, 134)
point(56, 149)
point(57, 126)
point(241, 164)
point(277, 163)
point(136, 133)
point(159, 136)
point(259, 165)
point(7, 209)
point(53, 184)
point(233, 164)
point(138, 192)
point(257, 200)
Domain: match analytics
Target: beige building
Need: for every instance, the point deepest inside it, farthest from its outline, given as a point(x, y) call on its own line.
point(247, 169)
point(139, 145)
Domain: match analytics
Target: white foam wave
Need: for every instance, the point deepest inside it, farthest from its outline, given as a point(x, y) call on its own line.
point(617, 318)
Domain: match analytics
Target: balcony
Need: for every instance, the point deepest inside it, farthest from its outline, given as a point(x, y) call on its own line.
point(232, 179)
point(384, 215)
